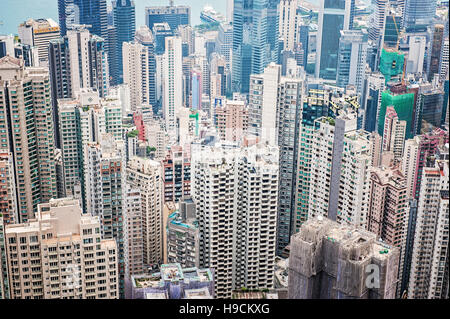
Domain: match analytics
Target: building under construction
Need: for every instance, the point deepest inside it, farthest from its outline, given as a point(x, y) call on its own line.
point(333, 261)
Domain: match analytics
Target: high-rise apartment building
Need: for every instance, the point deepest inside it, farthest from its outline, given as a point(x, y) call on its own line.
point(145, 37)
point(183, 235)
point(262, 107)
point(315, 105)
point(8, 199)
point(356, 160)
point(429, 265)
point(287, 22)
point(172, 86)
point(326, 163)
point(177, 174)
point(61, 255)
point(77, 61)
point(288, 117)
point(145, 175)
point(82, 120)
point(27, 117)
point(394, 134)
point(133, 235)
point(334, 16)
point(104, 180)
point(136, 72)
point(236, 195)
point(387, 205)
point(332, 261)
point(419, 153)
point(4, 278)
point(231, 120)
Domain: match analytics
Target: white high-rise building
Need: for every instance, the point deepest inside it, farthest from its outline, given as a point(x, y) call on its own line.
point(60, 255)
point(443, 63)
point(173, 82)
point(38, 33)
point(353, 185)
point(352, 55)
point(287, 22)
point(377, 19)
point(135, 72)
point(326, 163)
point(431, 236)
point(416, 54)
point(262, 107)
point(145, 175)
point(236, 192)
point(82, 56)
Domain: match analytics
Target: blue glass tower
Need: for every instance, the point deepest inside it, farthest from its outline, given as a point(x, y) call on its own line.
point(334, 16)
point(89, 12)
point(418, 14)
point(173, 15)
point(124, 20)
point(255, 39)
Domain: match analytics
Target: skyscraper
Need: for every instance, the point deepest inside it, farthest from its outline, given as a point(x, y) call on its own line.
point(89, 12)
point(334, 16)
point(145, 37)
point(287, 24)
point(104, 179)
point(289, 106)
point(338, 266)
point(262, 108)
point(64, 233)
point(145, 175)
point(430, 252)
point(255, 40)
point(39, 33)
point(173, 15)
point(352, 53)
point(172, 86)
point(394, 134)
point(136, 72)
point(77, 61)
point(236, 193)
point(418, 14)
point(27, 118)
point(124, 21)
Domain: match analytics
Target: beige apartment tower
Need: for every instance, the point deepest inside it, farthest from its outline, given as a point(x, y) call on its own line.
point(60, 255)
point(27, 118)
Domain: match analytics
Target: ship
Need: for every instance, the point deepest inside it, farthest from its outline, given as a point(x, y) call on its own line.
point(209, 15)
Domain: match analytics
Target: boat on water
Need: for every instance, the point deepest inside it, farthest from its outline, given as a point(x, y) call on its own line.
point(209, 15)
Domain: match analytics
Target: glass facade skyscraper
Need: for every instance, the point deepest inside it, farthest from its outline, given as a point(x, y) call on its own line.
point(125, 23)
point(89, 12)
point(173, 15)
point(255, 39)
point(418, 14)
point(334, 16)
